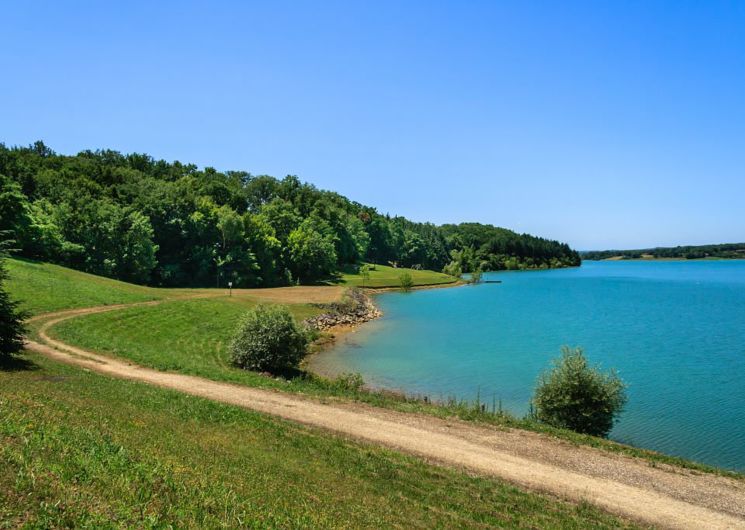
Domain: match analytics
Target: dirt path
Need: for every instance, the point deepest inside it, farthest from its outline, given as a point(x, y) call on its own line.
point(662, 495)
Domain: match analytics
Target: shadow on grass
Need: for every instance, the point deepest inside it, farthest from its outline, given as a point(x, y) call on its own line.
point(289, 373)
point(27, 260)
point(17, 364)
point(337, 277)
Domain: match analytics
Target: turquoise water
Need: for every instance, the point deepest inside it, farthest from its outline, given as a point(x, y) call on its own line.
point(675, 331)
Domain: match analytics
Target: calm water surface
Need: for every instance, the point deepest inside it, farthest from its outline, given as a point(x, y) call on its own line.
point(675, 331)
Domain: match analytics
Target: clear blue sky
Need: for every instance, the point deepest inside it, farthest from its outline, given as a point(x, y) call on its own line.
point(604, 124)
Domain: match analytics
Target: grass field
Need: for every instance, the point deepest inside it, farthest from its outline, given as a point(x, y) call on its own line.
point(43, 287)
point(79, 450)
point(188, 336)
point(384, 276)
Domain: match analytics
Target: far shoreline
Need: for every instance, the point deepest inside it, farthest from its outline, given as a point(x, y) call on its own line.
point(622, 258)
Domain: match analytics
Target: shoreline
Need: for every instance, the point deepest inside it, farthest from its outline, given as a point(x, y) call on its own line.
point(324, 345)
point(331, 336)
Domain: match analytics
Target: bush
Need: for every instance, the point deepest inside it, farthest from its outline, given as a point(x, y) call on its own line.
point(453, 269)
point(268, 339)
point(476, 276)
point(407, 282)
point(575, 396)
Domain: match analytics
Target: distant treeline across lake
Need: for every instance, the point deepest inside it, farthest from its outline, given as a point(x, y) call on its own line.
point(721, 251)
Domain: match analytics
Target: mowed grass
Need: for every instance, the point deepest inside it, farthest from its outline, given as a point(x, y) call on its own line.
point(384, 276)
point(189, 336)
point(43, 287)
point(80, 450)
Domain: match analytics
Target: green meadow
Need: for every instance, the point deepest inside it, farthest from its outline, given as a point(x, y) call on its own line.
point(188, 336)
point(43, 287)
point(384, 276)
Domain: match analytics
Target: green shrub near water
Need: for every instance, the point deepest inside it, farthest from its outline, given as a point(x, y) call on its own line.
point(268, 339)
point(573, 395)
point(407, 282)
point(476, 276)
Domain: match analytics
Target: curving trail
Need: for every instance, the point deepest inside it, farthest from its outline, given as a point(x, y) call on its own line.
point(662, 495)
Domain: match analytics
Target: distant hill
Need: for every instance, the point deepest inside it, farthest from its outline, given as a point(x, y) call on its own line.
point(721, 251)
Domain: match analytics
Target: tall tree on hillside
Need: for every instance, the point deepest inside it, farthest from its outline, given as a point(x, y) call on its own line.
point(11, 319)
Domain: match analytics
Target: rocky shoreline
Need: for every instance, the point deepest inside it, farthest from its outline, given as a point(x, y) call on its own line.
point(355, 308)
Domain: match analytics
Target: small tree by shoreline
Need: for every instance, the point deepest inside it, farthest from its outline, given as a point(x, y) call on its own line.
point(407, 282)
point(573, 395)
point(365, 273)
point(476, 277)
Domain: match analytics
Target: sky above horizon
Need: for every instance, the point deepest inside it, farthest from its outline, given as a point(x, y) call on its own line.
point(602, 124)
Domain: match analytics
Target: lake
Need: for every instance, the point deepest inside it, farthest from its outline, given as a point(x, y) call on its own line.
point(674, 330)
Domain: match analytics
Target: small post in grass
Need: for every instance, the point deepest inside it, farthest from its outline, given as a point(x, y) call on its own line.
point(230, 288)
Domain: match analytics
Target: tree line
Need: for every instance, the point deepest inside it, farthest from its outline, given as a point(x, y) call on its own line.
point(724, 251)
point(134, 218)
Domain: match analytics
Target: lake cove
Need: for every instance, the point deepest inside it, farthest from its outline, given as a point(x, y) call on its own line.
point(675, 331)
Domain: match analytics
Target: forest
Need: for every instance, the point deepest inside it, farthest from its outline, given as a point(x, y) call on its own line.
point(138, 219)
point(722, 251)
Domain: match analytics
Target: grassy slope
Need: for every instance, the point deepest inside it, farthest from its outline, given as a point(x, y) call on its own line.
point(82, 450)
point(190, 336)
point(384, 276)
point(42, 287)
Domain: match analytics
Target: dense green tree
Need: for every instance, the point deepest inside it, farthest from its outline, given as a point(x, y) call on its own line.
point(282, 216)
point(260, 190)
point(11, 319)
point(236, 262)
point(267, 249)
point(168, 223)
point(118, 242)
point(14, 215)
point(312, 254)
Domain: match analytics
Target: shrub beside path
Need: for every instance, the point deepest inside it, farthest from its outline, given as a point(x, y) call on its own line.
point(662, 495)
